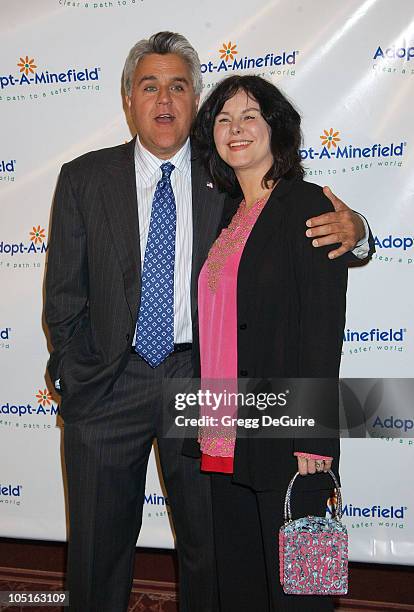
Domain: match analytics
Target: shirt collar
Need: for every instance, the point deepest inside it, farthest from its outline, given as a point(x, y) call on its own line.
point(151, 164)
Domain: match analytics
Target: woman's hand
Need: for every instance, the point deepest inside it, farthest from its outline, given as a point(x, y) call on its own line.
point(311, 464)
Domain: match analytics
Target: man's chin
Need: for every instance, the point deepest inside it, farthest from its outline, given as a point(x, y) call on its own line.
point(167, 146)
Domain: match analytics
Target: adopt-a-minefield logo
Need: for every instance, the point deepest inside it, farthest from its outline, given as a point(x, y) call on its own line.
point(391, 424)
point(363, 156)
point(35, 244)
point(394, 248)
point(230, 58)
point(359, 516)
point(156, 505)
point(394, 59)
point(5, 337)
point(11, 493)
point(28, 415)
point(7, 170)
point(391, 241)
point(374, 339)
point(28, 77)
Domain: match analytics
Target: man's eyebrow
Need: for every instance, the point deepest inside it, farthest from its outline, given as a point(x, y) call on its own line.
point(174, 79)
point(180, 79)
point(147, 77)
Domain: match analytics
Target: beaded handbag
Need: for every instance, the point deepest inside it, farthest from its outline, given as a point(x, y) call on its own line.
point(313, 551)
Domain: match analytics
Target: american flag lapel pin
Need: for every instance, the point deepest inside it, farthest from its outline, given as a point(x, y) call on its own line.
point(209, 184)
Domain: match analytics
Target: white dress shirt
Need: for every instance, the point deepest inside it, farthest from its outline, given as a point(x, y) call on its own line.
point(148, 173)
point(361, 249)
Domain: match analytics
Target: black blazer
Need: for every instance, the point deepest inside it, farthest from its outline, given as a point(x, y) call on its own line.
point(290, 318)
point(93, 276)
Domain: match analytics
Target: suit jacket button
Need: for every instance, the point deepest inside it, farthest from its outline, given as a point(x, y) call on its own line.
point(243, 372)
point(127, 337)
point(243, 326)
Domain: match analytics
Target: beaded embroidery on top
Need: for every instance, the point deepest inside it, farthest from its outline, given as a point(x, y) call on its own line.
point(214, 441)
point(231, 240)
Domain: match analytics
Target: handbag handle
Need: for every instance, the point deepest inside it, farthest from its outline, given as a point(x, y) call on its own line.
point(337, 510)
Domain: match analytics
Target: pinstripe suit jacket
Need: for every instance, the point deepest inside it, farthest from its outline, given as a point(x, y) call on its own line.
point(93, 276)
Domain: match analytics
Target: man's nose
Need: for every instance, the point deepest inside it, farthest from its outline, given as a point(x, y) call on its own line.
point(164, 96)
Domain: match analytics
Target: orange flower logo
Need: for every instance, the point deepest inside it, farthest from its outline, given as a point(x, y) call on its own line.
point(44, 398)
point(330, 138)
point(27, 65)
point(37, 235)
point(228, 51)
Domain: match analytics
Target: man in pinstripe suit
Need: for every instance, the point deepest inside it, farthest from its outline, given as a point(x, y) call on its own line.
point(111, 397)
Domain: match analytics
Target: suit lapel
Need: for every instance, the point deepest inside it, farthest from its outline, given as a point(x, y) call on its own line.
point(121, 210)
point(120, 205)
point(267, 222)
point(207, 211)
point(267, 229)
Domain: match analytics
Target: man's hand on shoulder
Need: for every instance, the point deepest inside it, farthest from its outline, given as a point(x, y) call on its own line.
point(343, 226)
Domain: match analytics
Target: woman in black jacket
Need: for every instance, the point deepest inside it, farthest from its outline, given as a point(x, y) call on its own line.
point(270, 306)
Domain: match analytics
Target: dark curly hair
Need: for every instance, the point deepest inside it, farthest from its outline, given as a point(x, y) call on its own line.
point(276, 110)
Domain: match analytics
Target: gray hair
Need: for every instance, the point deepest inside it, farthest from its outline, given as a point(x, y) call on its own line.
point(162, 43)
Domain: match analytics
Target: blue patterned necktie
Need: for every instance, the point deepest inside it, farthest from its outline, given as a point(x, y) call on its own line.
point(154, 339)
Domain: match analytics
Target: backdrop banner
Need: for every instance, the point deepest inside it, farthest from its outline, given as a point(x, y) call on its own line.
point(349, 69)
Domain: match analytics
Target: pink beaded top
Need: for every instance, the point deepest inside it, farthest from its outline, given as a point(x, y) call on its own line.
point(217, 299)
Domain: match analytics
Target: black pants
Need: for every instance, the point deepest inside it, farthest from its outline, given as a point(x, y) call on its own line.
point(106, 455)
point(246, 526)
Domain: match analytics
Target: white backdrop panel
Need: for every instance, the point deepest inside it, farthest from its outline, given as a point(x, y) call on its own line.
point(349, 68)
